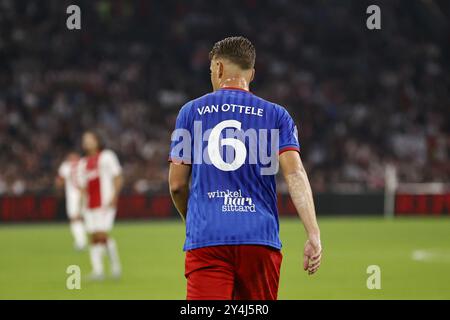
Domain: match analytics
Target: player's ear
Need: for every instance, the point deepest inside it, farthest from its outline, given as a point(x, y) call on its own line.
point(220, 69)
point(253, 75)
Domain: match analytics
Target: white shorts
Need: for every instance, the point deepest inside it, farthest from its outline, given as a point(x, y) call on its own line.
point(73, 208)
point(99, 220)
point(73, 213)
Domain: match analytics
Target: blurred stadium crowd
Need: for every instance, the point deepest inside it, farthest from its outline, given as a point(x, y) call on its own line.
point(361, 98)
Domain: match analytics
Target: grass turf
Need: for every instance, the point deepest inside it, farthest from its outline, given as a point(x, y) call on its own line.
point(34, 259)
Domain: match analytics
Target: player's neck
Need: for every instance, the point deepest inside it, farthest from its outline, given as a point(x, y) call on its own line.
point(235, 82)
point(93, 153)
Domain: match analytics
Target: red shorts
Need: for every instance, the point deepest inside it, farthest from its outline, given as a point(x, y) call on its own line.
point(235, 272)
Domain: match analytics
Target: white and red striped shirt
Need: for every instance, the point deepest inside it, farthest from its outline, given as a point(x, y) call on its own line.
point(97, 174)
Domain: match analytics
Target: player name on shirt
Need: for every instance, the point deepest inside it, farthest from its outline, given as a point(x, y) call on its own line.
point(230, 107)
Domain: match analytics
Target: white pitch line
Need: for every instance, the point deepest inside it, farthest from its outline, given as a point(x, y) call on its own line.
point(431, 255)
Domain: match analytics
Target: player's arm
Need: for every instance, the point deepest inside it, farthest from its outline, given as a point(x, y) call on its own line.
point(59, 179)
point(82, 200)
point(59, 182)
point(179, 175)
point(118, 184)
point(115, 170)
point(301, 195)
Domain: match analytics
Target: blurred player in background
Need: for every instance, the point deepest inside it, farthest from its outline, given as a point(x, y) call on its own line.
point(101, 176)
point(232, 228)
point(68, 176)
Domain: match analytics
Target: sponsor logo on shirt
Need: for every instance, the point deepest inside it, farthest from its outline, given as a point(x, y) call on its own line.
point(233, 201)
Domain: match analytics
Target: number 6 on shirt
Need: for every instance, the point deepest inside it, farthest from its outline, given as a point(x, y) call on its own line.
point(214, 145)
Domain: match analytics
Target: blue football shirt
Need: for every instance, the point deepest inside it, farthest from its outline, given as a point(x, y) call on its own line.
point(232, 140)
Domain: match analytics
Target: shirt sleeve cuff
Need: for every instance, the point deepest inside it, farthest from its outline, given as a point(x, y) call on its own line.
point(177, 160)
point(288, 148)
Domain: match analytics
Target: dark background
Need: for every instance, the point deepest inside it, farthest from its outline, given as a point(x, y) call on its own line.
point(360, 98)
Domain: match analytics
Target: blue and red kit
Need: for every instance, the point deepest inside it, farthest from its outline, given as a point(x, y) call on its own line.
point(232, 139)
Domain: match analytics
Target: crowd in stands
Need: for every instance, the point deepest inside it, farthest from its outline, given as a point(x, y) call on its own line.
point(361, 98)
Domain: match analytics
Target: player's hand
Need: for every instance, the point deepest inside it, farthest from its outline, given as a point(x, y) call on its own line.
point(312, 254)
point(113, 203)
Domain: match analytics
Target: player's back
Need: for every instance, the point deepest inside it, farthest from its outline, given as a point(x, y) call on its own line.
point(68, 171)
point(236, 139)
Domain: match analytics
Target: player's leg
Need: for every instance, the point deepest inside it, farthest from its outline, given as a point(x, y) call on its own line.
point(209, 273)
point(77, 227)
point(78, 232)
point(111, 245)
point(97, 245)
point(257, 272)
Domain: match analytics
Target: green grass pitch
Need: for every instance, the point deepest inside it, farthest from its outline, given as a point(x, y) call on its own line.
point(34, 258)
